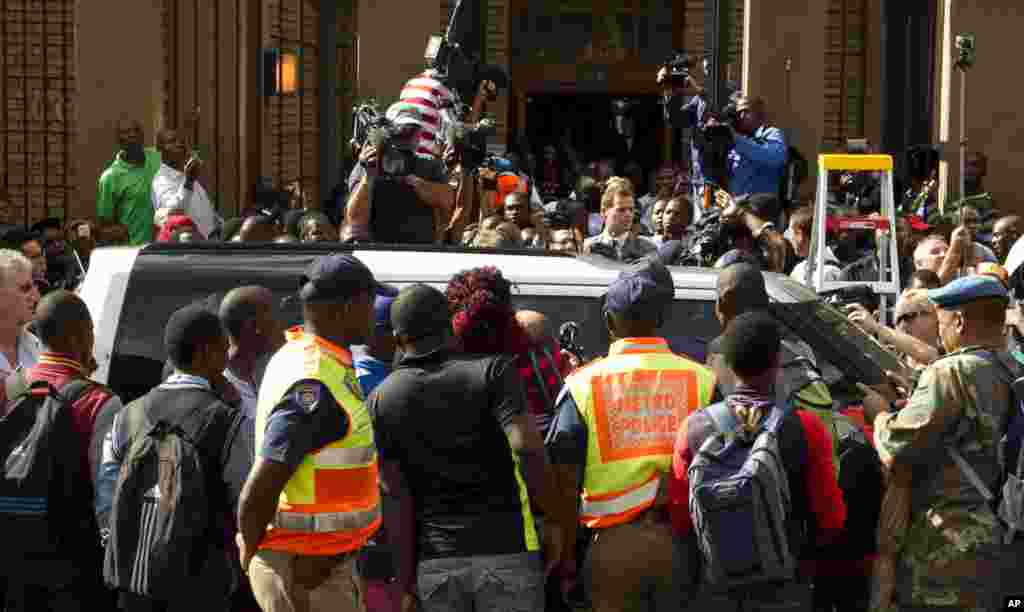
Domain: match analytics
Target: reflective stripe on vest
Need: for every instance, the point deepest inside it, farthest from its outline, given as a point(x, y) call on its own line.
point(326, 521)
point(331, 504)
point(633, 403)
point(639, 499)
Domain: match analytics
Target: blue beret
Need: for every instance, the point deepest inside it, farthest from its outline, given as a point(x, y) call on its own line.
point(644, 290)
point(966, 290)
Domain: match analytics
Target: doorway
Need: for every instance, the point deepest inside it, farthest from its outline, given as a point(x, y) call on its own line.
point(588, 122)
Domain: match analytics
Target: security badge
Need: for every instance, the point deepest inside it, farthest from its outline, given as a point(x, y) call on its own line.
point(307, 395)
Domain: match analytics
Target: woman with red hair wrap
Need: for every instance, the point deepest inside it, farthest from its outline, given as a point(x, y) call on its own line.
point(484, 322)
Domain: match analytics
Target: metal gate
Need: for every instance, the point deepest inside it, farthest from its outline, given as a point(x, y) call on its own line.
point(37, 86)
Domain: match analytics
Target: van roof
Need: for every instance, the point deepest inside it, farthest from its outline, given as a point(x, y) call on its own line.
point(435, 264)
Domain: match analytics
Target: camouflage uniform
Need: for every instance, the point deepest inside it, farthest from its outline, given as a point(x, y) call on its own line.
point(950, 549)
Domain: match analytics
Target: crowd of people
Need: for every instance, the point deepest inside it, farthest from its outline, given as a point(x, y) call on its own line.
point(440, 450)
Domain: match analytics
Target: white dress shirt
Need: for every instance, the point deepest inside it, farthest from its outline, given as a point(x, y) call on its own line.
point(169, 191)
point(29, 348)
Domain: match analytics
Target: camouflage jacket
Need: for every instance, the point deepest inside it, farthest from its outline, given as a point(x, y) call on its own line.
point(951, 542)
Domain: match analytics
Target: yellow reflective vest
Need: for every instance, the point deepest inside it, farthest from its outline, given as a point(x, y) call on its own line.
point(331, 504)
point(633, 403)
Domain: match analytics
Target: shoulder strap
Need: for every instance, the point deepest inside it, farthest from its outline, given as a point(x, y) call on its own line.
point(74, 389)
point(773, 422)
point(970, 474)
point(722, 418)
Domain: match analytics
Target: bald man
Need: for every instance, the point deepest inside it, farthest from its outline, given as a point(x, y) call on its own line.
point(1005, 233)
point(124, 203)
point(175, 185)
point(65, 329)
point(258, 229)
point(249, 316)
point(546, 362)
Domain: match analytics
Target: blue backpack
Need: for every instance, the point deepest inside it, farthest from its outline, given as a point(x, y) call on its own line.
point(740, 502)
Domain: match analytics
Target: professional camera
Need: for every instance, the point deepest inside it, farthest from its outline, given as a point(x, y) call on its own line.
point(678, 66)
point(395, 143)
point(470, 141)
point(862, 295)
point(714, 143)
point(713, 240)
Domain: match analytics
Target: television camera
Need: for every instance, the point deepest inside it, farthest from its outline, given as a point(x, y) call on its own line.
point(395, 142)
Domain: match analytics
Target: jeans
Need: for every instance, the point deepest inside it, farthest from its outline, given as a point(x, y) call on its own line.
point(486, 583)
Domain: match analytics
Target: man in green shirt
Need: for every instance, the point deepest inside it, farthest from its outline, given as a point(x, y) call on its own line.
point(123, 202)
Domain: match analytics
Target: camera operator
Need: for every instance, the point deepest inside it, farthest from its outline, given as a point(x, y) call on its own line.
point(757, 158)
point(410, 200)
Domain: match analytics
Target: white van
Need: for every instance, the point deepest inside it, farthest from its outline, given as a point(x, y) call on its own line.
point(131, 293)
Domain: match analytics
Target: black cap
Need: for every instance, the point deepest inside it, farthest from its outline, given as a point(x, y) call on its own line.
point(642, 291)
point(336, 277)
point(420, 312)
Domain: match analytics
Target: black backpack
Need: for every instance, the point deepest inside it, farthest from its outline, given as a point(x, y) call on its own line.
point(161, 520)
point(47, 524)
point(862, 484)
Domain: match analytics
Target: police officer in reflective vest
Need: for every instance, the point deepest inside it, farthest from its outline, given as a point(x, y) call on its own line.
point(312, 499)
point(616, 423)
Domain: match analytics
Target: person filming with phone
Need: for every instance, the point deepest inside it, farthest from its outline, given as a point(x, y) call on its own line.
point(176, 186)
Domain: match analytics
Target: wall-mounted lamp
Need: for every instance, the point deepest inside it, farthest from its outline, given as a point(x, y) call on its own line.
point(281, 72)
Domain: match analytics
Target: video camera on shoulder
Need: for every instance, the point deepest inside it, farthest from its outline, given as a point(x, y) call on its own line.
point(470, 141)
point(395, 141)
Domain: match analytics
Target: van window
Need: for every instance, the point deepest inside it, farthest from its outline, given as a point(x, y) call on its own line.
point(138, 360)
point(689, 324)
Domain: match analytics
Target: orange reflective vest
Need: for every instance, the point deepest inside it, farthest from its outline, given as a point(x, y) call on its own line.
point(633, 403)
point(331, 504)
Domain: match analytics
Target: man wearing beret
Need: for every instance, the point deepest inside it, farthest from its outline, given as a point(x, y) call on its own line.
point(616, 422)
point(941, 453)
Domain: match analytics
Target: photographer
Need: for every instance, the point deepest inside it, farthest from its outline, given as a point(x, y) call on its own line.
point(757, 157)
point(410, 199)
point(749, 218)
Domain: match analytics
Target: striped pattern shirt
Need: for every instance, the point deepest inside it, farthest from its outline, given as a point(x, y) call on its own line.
point(425, 98)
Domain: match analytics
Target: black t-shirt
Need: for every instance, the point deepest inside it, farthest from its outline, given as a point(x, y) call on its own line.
point(441, 418)
point(397, 216)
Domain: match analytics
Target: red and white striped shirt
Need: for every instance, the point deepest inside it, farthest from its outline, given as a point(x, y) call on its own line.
point(424, 97)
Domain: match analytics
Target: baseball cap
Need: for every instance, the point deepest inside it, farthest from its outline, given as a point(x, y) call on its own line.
point(420, 312)
point(386, 295)
point(336, 277)
point(644, 290)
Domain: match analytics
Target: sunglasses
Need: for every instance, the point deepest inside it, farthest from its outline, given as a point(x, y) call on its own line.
point(908, 318)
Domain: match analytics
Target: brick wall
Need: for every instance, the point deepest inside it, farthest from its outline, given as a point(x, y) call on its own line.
point(37, 86)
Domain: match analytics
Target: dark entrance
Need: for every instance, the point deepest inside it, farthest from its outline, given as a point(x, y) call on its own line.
point(587, 119)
